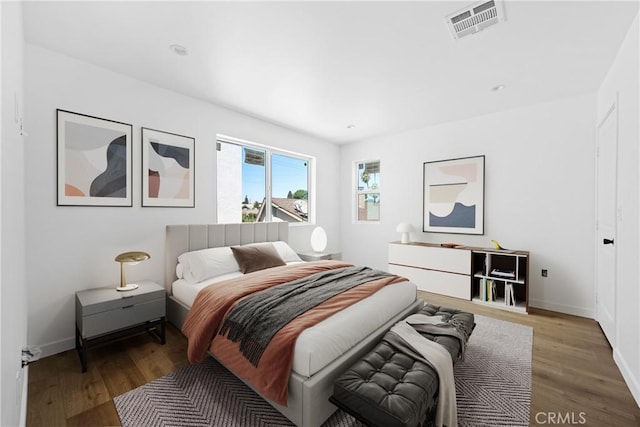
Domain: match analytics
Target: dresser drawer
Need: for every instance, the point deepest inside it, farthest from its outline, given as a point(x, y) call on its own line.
point(438, 282)
point(121, 317)
point(430, 257)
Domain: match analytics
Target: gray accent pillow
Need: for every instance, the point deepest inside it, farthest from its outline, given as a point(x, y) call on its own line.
point(256, 257)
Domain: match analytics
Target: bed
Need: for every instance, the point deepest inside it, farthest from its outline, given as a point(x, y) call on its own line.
point(314, 371)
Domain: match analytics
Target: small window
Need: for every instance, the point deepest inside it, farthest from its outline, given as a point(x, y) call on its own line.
point(259, 184)
point(367, 191)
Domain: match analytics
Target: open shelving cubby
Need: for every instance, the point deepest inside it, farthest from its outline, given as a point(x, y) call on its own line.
point(500, 278)
point(464, 271)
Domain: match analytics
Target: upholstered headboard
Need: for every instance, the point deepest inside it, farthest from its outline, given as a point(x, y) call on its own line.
point(192, 237)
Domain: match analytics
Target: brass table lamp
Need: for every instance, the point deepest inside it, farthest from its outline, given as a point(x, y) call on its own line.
point(131, 258)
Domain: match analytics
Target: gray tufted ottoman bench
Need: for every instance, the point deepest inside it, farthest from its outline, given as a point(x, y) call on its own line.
point(391, 389)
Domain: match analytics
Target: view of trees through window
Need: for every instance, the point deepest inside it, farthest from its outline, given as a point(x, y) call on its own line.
point(271, 185)
point(368, 191)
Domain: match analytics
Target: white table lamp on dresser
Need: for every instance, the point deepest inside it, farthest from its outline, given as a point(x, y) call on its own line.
point(404, 228)
point(130, 258)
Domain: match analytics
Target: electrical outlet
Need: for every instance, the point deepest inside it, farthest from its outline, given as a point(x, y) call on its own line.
point(544, 272)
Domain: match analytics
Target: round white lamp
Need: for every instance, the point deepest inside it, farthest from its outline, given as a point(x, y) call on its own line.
point(404, 228)
point(318, 239)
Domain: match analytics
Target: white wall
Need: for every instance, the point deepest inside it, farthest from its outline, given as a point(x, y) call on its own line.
point(622, 79)
point(539, 192)
point(72, 248)
point(229, 191)
point(13, 292)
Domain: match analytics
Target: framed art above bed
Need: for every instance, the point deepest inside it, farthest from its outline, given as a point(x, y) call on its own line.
point(454, 196)
point(168, 169)
point(94, 161)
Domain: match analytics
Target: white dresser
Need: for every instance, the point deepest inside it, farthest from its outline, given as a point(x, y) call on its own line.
point(433, 268)
point(493, 277)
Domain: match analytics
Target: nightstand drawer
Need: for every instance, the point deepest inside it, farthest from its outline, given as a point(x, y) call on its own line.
point(121, 317)
point(97, 300)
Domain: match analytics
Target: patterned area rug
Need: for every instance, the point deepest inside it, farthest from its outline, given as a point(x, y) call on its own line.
point(493, 387)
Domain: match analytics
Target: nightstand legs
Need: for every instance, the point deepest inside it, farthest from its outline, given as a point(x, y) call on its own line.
point(82, 350)
point(162, 335)
point(82, 345)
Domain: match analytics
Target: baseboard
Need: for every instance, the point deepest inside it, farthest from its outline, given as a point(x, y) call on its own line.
point(58, 346)
point(563, 308)
point(627, 374)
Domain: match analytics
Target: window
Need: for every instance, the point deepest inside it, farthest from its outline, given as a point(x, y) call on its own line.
point(367, 191)
point(258, 183)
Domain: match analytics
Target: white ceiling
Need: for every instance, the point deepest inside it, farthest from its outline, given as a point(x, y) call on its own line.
point(318, 67)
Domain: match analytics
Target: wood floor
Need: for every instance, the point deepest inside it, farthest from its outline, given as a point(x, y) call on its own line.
point(575, 380)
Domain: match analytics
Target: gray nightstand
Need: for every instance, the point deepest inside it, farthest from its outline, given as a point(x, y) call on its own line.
point(104, 314)
point(317, 256)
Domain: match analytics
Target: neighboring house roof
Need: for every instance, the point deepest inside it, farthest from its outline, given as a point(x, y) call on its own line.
point(296, 209)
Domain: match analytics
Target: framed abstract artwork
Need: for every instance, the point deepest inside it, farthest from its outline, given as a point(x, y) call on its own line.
point(454, 196)
point(94, 161)
point(168, 169)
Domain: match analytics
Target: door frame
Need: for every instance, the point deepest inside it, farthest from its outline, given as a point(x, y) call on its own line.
point(612, 109)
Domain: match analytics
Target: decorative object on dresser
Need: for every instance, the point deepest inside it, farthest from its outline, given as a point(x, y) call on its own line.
point(168, 169)
point(103, 314)
point(84, 177)
point(454, 196)
point(483, 275)
point(405, 229)
point(131, 258)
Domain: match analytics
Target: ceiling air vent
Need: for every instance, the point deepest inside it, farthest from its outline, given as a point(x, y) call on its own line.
point(475, 18)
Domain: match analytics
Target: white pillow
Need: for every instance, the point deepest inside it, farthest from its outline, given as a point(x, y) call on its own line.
point(179, 271)
point(207, 263)
point(284, 250)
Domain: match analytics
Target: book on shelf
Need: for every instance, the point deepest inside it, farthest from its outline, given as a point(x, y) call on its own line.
point(487, 290)
point(506, 295)
point(509, 297)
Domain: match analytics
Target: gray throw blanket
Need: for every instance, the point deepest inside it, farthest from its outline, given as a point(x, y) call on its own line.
point(257, 318)
point(438, 325)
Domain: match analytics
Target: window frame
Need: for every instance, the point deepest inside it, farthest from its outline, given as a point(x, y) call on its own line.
point(269, 151)
point(357, 192)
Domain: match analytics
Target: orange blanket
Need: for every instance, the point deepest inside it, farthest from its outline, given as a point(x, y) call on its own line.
point(271, 377)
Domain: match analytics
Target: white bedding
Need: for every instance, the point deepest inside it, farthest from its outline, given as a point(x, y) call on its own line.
point(321, 344)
